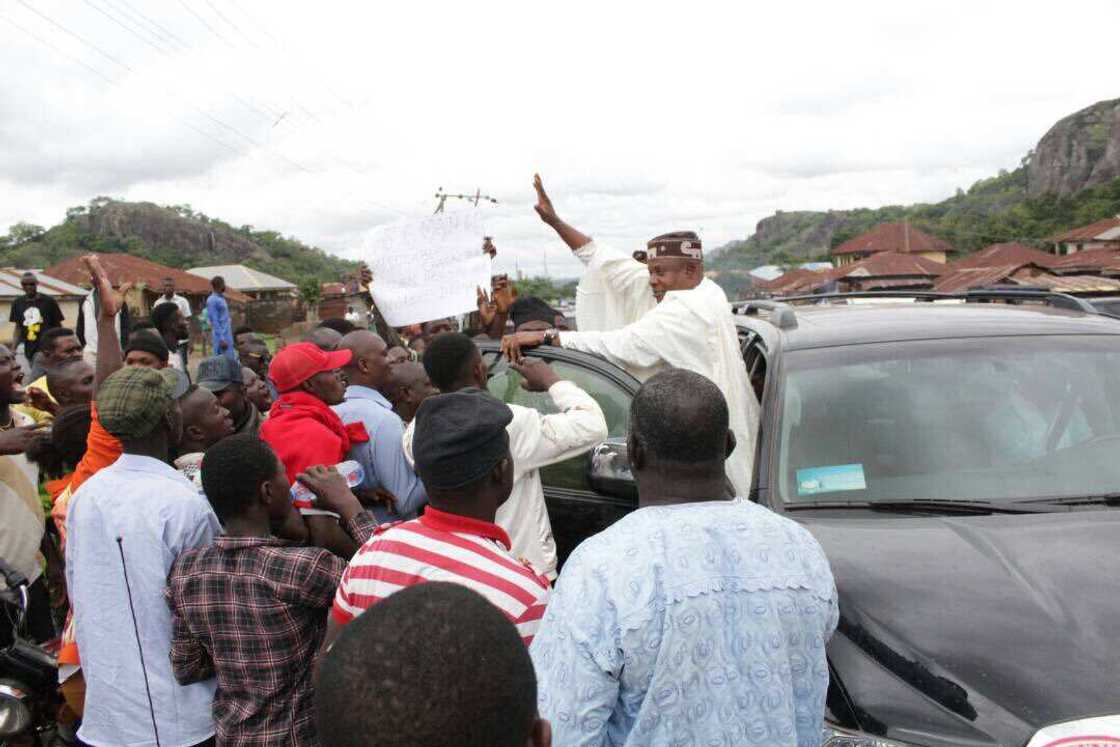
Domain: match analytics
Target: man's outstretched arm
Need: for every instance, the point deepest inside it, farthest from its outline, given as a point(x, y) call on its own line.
point(574, 238)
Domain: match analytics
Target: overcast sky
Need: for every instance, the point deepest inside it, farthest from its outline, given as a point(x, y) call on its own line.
point(322, 120)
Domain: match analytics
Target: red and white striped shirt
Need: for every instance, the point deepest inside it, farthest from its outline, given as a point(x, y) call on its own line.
point(441, 546)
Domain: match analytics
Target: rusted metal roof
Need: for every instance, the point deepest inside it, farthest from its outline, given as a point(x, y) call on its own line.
point(901, 238)
point(128, 268)
point(1073, 284)
point(1091, 260)
point(892, 264)
point(968, 278)
point(1103, 230)
point(1002, 255)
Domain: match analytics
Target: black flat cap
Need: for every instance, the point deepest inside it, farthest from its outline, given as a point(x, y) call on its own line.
point(459, 438)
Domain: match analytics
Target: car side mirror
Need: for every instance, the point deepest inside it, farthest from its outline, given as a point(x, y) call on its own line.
point(609, 470)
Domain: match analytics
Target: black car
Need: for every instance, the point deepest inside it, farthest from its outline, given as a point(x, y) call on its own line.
point(960, 464)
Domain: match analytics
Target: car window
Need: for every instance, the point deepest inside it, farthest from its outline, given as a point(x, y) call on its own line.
point(1000, 419)
point(505, 384)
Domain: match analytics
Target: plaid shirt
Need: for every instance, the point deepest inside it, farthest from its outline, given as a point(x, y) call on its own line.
point(253, 611)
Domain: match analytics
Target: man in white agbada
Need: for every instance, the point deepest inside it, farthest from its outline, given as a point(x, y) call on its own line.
point(653, 316)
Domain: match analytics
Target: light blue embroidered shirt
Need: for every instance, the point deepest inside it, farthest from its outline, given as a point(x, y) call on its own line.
point(382, 457)
point(157, 513)
point(699, 624)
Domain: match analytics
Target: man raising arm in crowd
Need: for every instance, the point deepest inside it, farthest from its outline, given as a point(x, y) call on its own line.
point(687, 323)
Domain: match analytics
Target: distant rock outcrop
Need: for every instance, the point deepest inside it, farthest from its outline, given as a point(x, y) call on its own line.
point(1081, 150)
point(159, 227)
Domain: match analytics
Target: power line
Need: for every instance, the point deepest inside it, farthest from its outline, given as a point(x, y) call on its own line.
point(269, 115)
point(62, 52)
point(223, 16)
point(205, 23)
point(307, 67)
point(160, 31)
point(199, 110)
point(110, 81)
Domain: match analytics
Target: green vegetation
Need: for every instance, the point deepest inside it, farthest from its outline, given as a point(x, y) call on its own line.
point(992, 211)
point(546, 288)
point(183, 230)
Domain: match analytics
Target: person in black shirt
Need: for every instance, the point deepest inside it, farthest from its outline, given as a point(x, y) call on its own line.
point(33, 314)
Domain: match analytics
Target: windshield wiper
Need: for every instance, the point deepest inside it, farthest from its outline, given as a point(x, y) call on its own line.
point(925, 505)
point(1103, 499)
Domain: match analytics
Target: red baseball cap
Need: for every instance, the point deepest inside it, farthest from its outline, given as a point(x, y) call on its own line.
point(297, 363)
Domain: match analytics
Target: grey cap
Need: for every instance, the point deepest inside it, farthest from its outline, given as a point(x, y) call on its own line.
point(218, 372)
point(460, 437)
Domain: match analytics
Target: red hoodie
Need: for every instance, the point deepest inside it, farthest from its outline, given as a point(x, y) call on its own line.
point(304, 431)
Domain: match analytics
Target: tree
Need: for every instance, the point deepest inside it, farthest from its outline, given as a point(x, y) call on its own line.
point(21, 232)
point(310, 292)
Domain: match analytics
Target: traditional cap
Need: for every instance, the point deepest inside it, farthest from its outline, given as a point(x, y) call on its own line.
point(218, 372)
point(148, 342)
point(131, 402)
point(459, 437)
point(297, 363)
point(683, 244)
point(532, 309)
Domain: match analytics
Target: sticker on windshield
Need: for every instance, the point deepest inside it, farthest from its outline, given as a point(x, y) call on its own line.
point(830, 479)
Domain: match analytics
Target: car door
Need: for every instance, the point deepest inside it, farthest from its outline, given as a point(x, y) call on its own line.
point(575, 509)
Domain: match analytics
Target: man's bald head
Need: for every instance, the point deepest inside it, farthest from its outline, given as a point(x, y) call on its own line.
point(679, 423)
point(71, 383)
point(323, 338)
point(369, 364)
point(407, 387)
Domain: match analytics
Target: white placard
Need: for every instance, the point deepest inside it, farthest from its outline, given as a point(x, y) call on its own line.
point(428, 268)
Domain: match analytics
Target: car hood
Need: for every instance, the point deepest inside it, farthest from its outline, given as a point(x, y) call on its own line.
point(1007, 622)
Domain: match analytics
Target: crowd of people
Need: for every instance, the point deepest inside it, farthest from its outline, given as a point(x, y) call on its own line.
point(345, 541)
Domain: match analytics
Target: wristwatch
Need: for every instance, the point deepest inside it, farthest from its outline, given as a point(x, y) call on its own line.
point(551, 336)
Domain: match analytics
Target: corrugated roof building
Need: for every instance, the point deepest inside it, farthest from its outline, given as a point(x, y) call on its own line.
point(897, 238)
point(147, 279)
point(253, 283)
point(1104, 234)
point(1002, 255)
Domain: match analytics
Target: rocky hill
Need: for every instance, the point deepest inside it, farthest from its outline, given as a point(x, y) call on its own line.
point(172, 235)
point(1071, 178)
point(1081, 150)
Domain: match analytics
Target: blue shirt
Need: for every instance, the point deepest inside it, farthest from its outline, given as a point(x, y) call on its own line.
point(382, 457)
point(157, 514)
point(217, 312)
point(700, 623)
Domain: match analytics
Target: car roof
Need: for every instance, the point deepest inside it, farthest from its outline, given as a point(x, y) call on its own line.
point(831, 325)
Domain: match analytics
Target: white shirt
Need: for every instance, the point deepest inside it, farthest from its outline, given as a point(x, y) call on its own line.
point(536, 441)
point(691, 329)
point(183, 304)
point(613, 292)
point(21, 513)
point(157, 514)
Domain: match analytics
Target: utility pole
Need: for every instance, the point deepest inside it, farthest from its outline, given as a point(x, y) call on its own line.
point(906, 225)
point(474, 199)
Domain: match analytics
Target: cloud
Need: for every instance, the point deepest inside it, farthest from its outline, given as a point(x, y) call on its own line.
point(323, 123)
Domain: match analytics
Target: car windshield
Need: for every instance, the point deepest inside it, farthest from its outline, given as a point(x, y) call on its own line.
point(994, 419)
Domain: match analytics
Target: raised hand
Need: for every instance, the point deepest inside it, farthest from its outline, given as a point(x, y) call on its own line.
point(16, 440)
point(544, 206)
point(538, 375)
point(503, 293)
point(40, 400)
point(489, 248)
point(487, 309)
point(111, 300)
point(512, 344)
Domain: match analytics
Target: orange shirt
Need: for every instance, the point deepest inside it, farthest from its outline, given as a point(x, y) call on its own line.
point(102, 449)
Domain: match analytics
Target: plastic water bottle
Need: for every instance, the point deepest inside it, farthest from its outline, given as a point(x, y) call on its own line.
point(303, 497)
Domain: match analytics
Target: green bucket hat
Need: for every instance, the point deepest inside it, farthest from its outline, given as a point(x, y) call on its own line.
point(131, 402)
